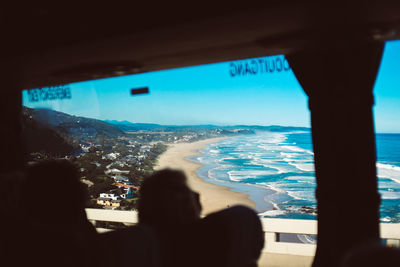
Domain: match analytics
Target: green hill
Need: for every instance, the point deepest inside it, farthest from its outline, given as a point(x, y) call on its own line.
point(45, 140)
point(68, 125)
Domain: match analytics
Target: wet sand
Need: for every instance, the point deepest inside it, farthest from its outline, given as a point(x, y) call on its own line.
point(212, 197)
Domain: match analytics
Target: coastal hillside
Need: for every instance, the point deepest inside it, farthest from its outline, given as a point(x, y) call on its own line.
point(72, 126)
point(44, 139)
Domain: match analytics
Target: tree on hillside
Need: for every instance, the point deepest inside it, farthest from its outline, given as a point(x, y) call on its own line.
point(129, 204)
point(121, 149)
point(136, 176)
point(101, 185)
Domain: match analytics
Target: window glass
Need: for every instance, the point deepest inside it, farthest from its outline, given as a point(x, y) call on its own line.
point(387, 124)
point(242, 124)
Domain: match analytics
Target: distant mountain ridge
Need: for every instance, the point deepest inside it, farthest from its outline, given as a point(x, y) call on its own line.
point(81, 128)
point(59, 133)
point(128, 126)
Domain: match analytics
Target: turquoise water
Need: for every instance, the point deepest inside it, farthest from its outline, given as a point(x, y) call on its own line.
point(388, 170)
point(276, 169)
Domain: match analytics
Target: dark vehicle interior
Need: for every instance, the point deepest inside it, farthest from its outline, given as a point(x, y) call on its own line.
point(333, 47)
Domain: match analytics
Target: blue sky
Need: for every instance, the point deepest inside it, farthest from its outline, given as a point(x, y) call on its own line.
point(209, 94)
point(387, 90)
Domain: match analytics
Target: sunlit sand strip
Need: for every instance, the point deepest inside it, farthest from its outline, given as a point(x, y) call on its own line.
point(213, 197)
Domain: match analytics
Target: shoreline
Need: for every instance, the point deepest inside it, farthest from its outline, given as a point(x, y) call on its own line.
point(213, 197)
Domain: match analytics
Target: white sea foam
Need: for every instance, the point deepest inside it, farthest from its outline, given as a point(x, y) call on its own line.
point(271, 164)
point(388, 171)
point(217, 174)
point(256, 154)
point(269, 137)
point(221, 160)
point(302, 195)
point(290, 155)
point(262, 162)
point(307, 167)
point(299, 178)
point(272, 213)
point(247, 174)
point(211, 175)
point(199, 159)
point(281, 169)
point(268, 147)
point(389, 195)
point(295, 195)
point(272, 187)
point(298, 149)
point(302, 179)
point(386, 219)
point(278, 139)
point(241, 155)
point(388, 166)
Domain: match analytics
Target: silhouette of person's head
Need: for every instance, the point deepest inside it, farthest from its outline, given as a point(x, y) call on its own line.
point(54, 186)
point(53, 201)
point(166, 199)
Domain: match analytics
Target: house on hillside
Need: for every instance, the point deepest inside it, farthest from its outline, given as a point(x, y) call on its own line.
point(115, 171)
point(111, 156)
point(113, 197)
point(114, 194)
point(122, 185)
point(115, 203)
point(104, 201)
point(128, 193)
point(122, 179)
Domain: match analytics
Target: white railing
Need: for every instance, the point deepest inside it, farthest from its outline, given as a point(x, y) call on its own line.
point(125, 217)
point(391, 232)
point(122, 216)
point(272, 228)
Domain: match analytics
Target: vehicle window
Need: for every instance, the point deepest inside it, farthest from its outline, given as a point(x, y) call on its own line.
point(247, 118)
point(387, 114)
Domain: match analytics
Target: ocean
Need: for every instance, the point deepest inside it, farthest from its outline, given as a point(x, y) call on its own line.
point(276, 169)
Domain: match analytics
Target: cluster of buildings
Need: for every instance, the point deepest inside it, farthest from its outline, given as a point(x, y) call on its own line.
point(113, 197)
point(125, 190)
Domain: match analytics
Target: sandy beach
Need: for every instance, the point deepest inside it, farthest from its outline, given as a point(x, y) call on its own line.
point(213, 197)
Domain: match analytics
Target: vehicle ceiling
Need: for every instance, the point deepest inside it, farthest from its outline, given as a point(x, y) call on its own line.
point(61, 43)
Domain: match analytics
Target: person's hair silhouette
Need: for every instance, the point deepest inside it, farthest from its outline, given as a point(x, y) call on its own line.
point(55, 185)
point(53, 202)
point(166, 200)
point(231, 237)
point(169, 207)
